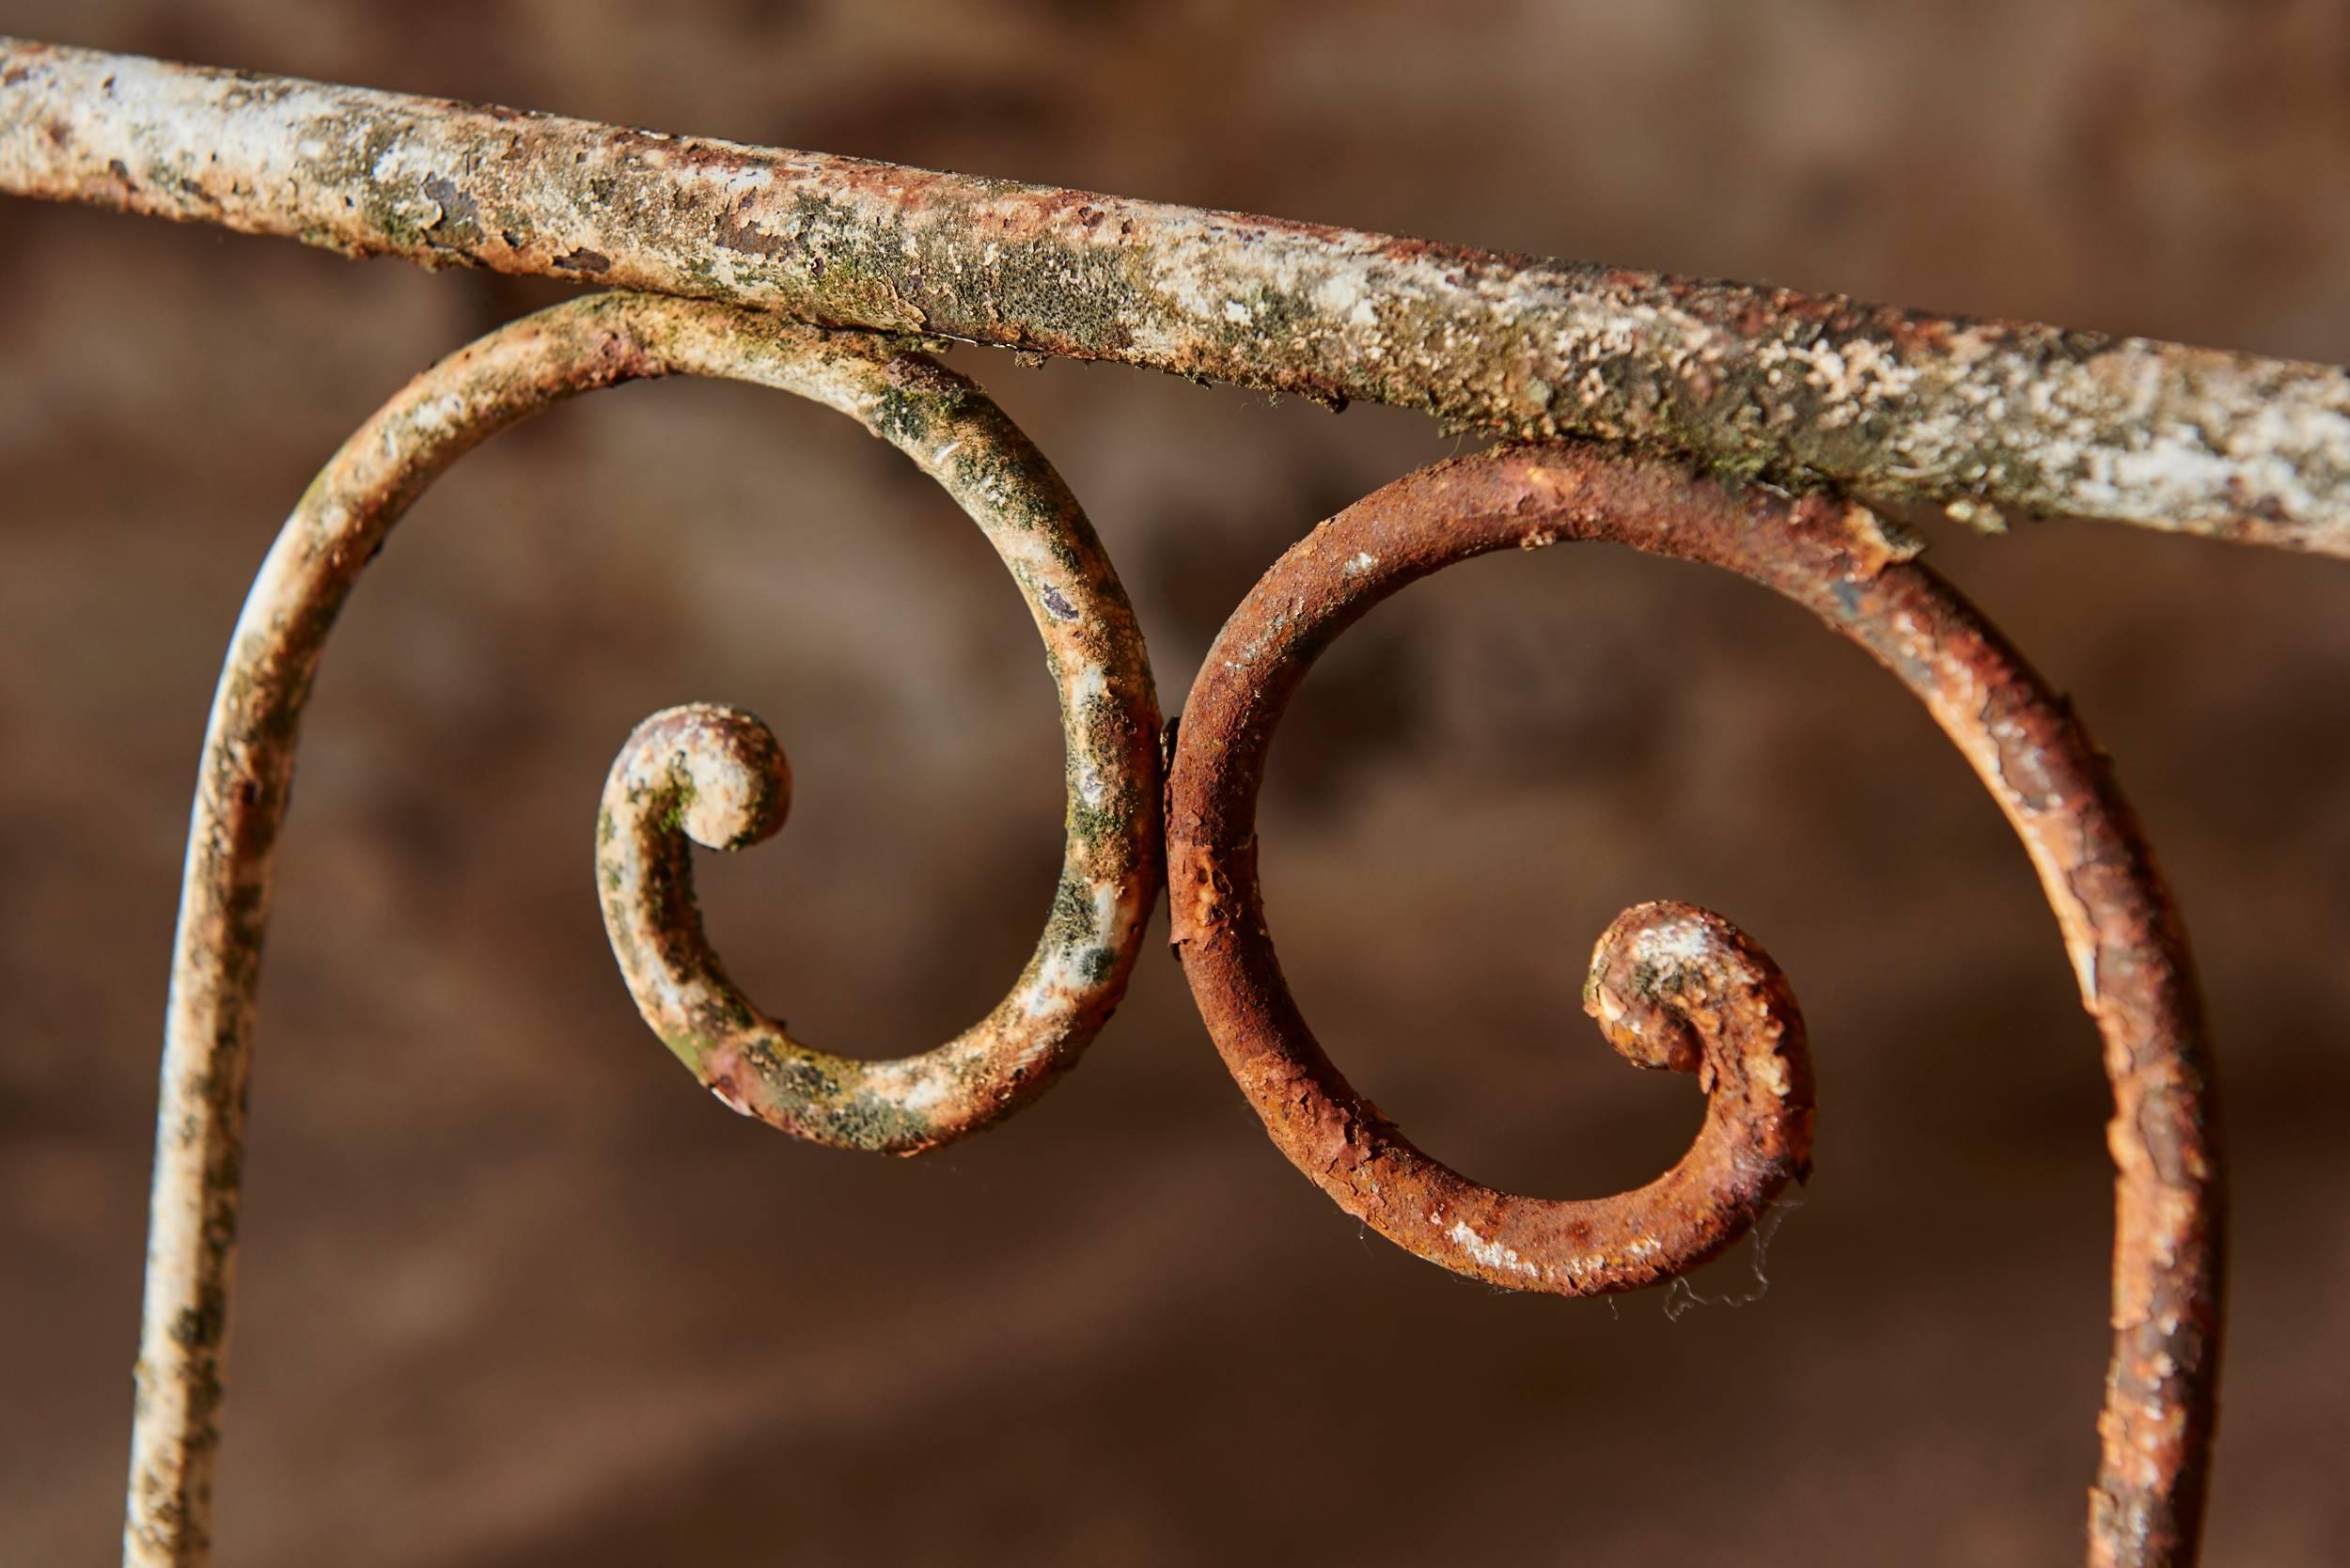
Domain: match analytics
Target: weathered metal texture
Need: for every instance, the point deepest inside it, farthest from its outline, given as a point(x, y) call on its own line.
point(1668, 969)
point(1814, 393)
point(1976, 416)
point(717, 776)
point(1111, 880)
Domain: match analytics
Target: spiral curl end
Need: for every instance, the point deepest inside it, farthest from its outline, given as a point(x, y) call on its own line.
point(733, 780)
point(1676, 988)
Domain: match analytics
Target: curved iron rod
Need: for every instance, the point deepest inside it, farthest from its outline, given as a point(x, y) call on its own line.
point(1972, 415)
point(1810, 392)
point(1683, 974)
point(1110, 880)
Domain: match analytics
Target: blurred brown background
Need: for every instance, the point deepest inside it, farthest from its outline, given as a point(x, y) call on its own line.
point(516, 1293)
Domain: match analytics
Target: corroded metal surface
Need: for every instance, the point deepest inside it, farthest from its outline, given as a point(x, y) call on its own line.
point(1824, 396)
point(717, 776)
point(1975, 416)
point(1111, 880)
point(1678, 976)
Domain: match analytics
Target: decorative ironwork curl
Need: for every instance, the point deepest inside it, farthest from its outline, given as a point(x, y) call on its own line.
point(1811, 390)
point(1674, 986)
point(715, 774)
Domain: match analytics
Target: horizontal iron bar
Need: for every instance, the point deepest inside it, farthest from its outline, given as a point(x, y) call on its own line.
point(1977, 416)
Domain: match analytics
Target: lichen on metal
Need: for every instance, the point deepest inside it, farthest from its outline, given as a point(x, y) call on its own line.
point(717, 776)
point(1829, 401)
point(1976, 416)
point(1113, 868)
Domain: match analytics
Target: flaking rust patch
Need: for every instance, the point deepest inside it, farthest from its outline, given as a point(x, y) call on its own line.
point(1197, 877)
point(1878, 542)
